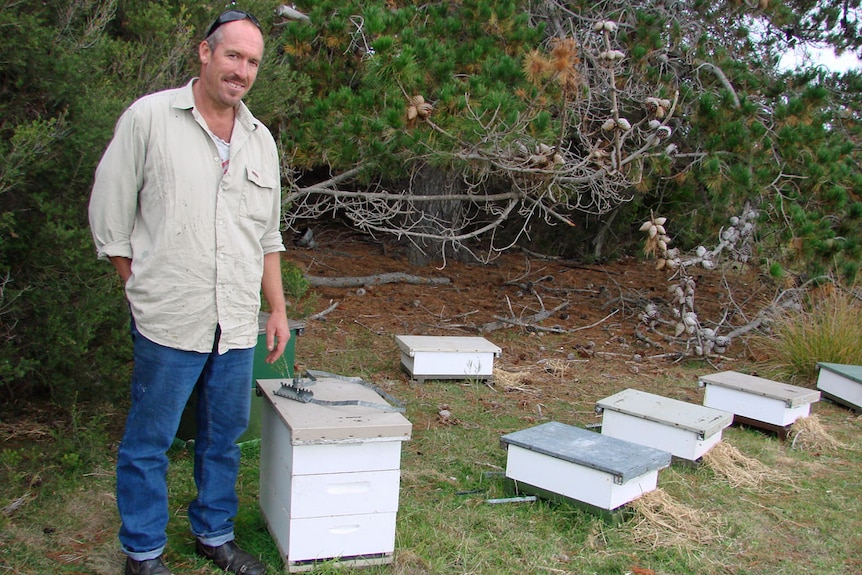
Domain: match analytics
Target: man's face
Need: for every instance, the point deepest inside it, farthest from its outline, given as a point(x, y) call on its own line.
point(230, 68)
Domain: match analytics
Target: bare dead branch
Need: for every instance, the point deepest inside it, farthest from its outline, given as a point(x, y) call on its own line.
point(722, 77)
point(323, 313)
point(527, 322)
point(377, 279)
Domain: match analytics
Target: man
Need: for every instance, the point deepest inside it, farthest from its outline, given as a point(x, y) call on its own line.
point(186, 205)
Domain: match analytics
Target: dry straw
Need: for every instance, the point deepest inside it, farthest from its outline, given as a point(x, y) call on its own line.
point(728, 463)
point(662, 522)
point(808, 434)
point(508, 378)
point(513, 381)
point(557, 367)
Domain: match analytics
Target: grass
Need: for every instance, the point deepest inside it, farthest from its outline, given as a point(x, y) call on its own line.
point(827, 329)
point(807, 518)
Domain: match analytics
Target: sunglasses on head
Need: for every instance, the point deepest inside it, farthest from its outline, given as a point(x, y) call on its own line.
point(231, 16)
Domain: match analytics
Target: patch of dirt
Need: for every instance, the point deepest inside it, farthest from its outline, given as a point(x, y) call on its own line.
point(591, 336)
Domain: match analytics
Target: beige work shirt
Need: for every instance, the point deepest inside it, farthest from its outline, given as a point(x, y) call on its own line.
point(196, 237)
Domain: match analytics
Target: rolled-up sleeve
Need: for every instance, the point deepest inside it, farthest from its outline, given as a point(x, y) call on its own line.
point(114, 199)
point(272, 240)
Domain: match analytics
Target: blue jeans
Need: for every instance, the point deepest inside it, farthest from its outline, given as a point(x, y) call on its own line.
point(162, 382)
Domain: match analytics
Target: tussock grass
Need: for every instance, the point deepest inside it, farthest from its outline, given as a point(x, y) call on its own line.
point(828, 328)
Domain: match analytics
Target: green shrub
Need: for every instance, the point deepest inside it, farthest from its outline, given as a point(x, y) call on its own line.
point(294, 282)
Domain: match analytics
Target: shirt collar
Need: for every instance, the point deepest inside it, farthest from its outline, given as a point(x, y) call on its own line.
point(186, 101)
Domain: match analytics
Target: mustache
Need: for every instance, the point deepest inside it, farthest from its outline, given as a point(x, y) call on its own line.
point(237, 80)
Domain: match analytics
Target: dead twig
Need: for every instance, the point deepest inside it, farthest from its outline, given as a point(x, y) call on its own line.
point(604, 319)
point(372, 330)
point(677, 355)
point(323, 313)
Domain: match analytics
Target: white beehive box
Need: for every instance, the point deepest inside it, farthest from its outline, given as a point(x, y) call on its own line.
point(330, 475)
point(757, 401)
point(841, 383)
point(582, 465)
point(686, 430)
point(447, 357)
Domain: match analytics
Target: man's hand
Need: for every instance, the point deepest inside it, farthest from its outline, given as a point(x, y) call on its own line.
point(277, 335)
point(277, 330)
point(123, 266)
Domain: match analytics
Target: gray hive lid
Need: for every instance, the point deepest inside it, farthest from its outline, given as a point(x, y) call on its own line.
point(791, 395)
point(622, 459)
point(705, 421)
point(310, 423)
point(410, 344)
point(851, 372)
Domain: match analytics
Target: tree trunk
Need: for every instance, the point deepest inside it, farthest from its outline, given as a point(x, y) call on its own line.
point(436, 217)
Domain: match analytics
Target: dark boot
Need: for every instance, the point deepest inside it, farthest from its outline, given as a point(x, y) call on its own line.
point(146, 567)
point(231, 558)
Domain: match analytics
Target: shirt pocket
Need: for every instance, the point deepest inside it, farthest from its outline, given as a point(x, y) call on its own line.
point(258, 194)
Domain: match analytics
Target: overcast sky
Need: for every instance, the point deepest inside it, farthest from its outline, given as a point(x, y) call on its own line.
point(825, 56)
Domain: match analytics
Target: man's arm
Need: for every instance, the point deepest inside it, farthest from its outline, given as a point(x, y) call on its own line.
point(114, 197)
point(277, 330)
point(124, 267)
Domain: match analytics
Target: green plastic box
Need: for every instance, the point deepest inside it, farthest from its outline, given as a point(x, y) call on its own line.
point(283, 368)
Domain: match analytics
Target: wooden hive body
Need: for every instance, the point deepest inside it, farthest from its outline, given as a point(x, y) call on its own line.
point(841, 383)
point(756, 400)
point(330, 475)
point(447, 357)
point(684, 429)
point(582, 465)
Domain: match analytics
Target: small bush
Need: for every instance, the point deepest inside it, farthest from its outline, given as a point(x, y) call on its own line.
point(295, 283)
point(81, 439)
point(828, 328)
point(301, 301)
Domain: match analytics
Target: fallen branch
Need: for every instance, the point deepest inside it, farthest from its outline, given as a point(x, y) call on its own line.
point(524, 324)
point(372, 330)
point(323, 313)
point(528, 322)
point(676, 355)
point(378, 279)
point(529, 285)
point(640, 335)
point(15, 505)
